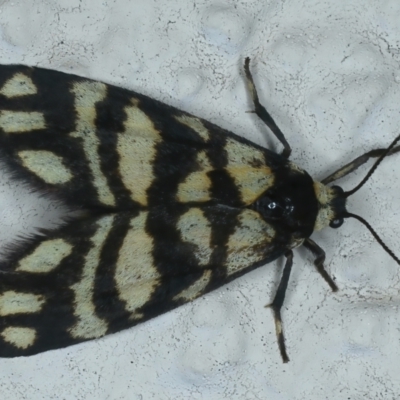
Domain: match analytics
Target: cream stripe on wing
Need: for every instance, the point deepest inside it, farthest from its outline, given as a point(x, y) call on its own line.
point(87, 94)
point(18, 85)
point(46, 256)
point(246, 165)
point(46, 165)
point(137, 150)
point(196, 229)
point(196, 289)
point(19, 337)
point(19, 302)
point(89, 325)
point(21, 121)
point(249, 242)
point(195, 124)
point(197, 185)
point(136, 276)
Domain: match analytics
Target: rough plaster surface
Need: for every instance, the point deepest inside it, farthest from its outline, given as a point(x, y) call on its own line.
point(328, 71)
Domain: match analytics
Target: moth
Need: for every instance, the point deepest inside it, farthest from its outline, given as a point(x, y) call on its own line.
point(172, 207)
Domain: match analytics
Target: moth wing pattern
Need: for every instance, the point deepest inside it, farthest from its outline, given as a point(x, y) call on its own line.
point(165, 196)
point(110, 147)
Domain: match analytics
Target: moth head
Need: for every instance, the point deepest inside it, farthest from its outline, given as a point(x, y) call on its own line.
point(332, 203)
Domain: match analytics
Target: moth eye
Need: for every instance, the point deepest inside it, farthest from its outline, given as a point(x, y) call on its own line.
point(272, 205)
point(336, 223)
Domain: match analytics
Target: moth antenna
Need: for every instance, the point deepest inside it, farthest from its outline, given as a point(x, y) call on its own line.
point(374, 234)
point(372, 170)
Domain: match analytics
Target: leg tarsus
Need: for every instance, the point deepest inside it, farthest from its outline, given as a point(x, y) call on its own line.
point(262, 113)
point(277, 304)
point(319, 262)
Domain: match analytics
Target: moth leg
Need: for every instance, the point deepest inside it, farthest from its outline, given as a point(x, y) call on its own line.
point(262, 113)
point(353, 165)
point(319, 262)
point(277, 303)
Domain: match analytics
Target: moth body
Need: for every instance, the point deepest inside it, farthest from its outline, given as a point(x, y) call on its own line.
point(175, 207)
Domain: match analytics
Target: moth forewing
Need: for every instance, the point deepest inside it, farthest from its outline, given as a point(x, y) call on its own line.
point(172, 207)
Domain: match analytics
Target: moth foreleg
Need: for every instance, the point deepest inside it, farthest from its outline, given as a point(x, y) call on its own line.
point(262, 113)
point(277, 304)
point(353, 165)
point(319, 262)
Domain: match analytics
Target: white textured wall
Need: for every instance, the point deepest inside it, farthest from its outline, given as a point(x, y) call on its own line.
point(328, 71)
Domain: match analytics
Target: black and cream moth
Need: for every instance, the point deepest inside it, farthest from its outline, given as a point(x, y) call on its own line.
point(173, 207)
